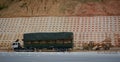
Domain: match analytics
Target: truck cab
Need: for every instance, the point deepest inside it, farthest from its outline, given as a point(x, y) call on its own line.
point(16, 45)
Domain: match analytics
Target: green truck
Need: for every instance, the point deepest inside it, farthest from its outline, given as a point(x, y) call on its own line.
point(48, 40)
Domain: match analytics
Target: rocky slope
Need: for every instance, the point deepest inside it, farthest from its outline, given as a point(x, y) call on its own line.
point(22, 8)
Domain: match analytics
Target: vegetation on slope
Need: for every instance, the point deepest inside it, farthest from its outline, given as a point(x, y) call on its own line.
point(17, 8)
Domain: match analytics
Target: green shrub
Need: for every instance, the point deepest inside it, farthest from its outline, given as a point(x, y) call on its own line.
point(2, 7)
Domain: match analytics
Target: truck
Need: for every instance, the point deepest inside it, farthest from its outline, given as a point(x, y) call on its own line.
point(57, 41)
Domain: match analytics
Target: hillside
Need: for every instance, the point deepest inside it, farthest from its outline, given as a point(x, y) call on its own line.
point(22, 8)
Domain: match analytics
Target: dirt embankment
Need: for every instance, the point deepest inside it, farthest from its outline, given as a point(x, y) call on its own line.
point(18, 8)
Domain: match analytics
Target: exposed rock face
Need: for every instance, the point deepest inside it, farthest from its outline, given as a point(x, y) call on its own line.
point(18, 8)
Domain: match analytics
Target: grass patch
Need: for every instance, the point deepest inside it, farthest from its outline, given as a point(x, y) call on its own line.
point(23, 5)
point(68, 6)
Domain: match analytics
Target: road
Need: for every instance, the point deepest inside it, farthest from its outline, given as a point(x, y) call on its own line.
point(59, 56)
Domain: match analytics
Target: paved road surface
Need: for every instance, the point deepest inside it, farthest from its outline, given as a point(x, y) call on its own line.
point(59, 57)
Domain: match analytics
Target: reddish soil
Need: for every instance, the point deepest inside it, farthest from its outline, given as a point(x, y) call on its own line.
point(23, 8)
